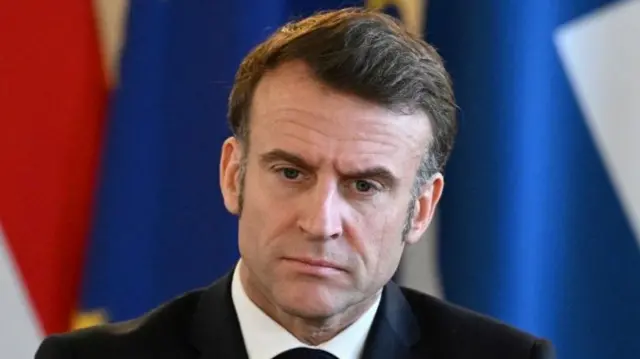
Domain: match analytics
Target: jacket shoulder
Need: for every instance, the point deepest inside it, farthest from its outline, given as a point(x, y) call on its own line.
point(458, 332)
point(162, 332)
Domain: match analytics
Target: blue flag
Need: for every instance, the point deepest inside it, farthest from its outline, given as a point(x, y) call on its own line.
point(541, 210)
point(161, 227)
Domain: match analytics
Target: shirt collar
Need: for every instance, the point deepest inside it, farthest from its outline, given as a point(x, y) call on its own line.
point(264, 338)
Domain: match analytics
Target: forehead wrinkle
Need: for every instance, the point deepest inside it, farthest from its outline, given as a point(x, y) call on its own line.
point(306, 125)
point(380, 136)
point(334, 145)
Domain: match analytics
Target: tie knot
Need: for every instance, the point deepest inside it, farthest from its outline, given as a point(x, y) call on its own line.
point(305, 353)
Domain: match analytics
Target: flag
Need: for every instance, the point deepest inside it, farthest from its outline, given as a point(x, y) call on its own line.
point(540, 218)
point(52, 98)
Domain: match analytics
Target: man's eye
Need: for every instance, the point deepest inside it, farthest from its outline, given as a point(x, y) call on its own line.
point(290, 173)
point(363, 186)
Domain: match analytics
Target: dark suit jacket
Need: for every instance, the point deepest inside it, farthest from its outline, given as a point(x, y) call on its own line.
point(203, 324)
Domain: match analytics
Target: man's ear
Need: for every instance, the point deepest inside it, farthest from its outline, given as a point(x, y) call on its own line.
point(230, 163)
point(425, 207)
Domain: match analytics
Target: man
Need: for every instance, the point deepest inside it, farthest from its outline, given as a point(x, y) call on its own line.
point(342, 124)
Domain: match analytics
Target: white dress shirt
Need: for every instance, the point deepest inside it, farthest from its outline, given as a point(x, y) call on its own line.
point(264, 338)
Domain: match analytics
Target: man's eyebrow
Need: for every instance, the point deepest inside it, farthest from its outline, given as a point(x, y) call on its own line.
point(378, 172)
point(282, 155)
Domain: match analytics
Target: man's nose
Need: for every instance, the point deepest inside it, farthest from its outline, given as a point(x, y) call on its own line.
point(321, 212)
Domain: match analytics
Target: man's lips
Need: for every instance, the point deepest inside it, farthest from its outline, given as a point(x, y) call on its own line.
point(319, 263)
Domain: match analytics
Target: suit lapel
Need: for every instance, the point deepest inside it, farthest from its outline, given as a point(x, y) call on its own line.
point(394, 330)
point(215, 331)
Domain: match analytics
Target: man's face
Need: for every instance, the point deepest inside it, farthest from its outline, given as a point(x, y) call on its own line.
point(326, 193)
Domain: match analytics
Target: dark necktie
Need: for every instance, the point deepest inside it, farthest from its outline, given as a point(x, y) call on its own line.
point(305, 353)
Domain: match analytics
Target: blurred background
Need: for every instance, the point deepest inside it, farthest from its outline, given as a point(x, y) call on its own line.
point(112, 113)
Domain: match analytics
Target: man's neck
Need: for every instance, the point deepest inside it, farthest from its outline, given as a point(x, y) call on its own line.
point(312, 331)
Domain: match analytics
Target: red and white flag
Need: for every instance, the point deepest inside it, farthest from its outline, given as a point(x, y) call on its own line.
point(54, 60)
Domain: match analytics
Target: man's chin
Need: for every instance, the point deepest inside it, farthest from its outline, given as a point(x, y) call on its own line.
point(310, 303)
point(310, 310)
